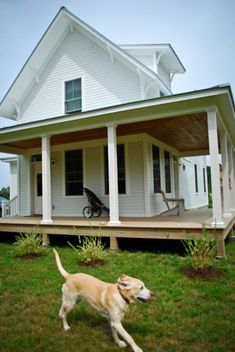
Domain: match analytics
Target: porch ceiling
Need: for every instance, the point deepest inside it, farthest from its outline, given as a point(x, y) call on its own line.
point(186, 133)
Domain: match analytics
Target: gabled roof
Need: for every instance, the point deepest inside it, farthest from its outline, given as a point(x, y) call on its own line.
point(64, 22)
point(170, 60)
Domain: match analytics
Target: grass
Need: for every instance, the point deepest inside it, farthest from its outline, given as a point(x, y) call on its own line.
point(186, 314)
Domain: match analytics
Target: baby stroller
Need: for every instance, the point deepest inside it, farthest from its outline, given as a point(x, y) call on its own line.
point(95, 206)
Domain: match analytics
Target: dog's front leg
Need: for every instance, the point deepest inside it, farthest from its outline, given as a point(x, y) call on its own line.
point(119, 342)
point(117, 326)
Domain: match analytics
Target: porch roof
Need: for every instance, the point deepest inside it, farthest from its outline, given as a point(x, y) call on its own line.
point(179, 121)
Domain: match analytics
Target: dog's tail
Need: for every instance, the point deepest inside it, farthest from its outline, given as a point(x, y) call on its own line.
point(63, 272)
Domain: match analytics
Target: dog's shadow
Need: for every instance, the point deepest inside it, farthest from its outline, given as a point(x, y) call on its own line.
point(87, 317)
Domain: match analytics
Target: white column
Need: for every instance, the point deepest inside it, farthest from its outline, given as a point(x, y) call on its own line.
point(215, 172)
point(113, 176)
point(231, 184)
point(225, 167)
point(46, 181)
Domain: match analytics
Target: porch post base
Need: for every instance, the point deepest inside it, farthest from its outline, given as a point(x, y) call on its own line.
point(227, 215)
point(217, 224)
point(46, 222)
point(113, 243)
point(114, 222)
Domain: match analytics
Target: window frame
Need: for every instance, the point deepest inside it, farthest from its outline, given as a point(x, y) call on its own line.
point(155, 169)
point(81, 180)
point(167, 170)
point(66, 111)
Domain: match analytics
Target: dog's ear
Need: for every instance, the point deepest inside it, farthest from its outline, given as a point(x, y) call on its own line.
point(123, 282)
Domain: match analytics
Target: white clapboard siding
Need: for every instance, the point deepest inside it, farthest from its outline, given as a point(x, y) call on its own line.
point(133, 203)
point(187, 182)
point(24, 185)
point(13, 179)
point(104, 83)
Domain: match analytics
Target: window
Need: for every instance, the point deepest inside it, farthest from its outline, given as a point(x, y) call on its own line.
point(204, 179)
point(73, 173)
point(121, 169)
point(196, 178)
point(39, 185)
point(156, 169)
point(73, 96)
point(161, 94)
point(167, 171)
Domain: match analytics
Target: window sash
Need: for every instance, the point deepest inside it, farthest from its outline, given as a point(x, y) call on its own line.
point(156, 169)
point(73, 173)
point(167, 161)
point(121, 169)
point(73, 95)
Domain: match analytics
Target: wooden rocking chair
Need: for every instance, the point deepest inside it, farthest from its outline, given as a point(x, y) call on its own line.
point(178, 207)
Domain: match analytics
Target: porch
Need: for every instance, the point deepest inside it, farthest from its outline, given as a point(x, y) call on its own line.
point(156, 227)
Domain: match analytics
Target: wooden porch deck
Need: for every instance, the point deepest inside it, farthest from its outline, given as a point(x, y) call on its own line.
point(157, 227)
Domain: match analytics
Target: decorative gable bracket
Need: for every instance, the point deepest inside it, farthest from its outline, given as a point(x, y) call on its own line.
point(35, 74)
point(110, 51)
point(16, 105)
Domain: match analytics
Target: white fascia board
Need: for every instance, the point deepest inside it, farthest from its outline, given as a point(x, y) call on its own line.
point(9, 160)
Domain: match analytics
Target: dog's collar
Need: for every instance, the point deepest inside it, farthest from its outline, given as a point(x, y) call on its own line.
point(122, 295)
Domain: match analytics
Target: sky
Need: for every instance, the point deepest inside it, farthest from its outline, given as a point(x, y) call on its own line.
point(202, 33)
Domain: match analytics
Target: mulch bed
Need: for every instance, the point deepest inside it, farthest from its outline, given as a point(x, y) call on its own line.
point(29, 256)
point(205, 274)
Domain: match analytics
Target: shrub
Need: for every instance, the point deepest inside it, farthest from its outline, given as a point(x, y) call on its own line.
point(89, 249)
point(201, 250)
point(28, 243)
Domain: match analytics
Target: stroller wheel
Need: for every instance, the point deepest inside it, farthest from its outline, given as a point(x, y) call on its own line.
point(87, 212)
point(97, 212)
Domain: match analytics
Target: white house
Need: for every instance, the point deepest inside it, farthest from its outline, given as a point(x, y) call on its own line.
point(93, 114)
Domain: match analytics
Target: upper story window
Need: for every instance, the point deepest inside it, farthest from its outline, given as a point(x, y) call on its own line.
point(73, 96)
point(121, 169)
point(167, 160)
point(73, 173)
point(156, 169)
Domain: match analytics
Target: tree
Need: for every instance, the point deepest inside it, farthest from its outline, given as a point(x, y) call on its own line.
point(5, 192)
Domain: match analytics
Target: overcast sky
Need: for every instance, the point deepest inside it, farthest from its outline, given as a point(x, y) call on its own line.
point(202, 33)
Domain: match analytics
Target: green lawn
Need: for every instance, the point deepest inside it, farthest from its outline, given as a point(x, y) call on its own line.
point(186, 314)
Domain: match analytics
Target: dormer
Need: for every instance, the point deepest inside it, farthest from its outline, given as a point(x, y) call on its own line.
point(160, 58)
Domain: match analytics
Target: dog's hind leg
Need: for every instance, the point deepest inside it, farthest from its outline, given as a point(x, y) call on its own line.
point(69, 299)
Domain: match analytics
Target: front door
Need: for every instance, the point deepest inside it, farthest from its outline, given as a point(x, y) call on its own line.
point(37, 188)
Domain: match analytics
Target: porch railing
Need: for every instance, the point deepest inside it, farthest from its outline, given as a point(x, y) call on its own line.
point(10, 208)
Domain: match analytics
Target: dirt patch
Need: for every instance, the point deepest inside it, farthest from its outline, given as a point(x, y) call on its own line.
point(29, 256)
point(92, 263)
point(204, 274)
